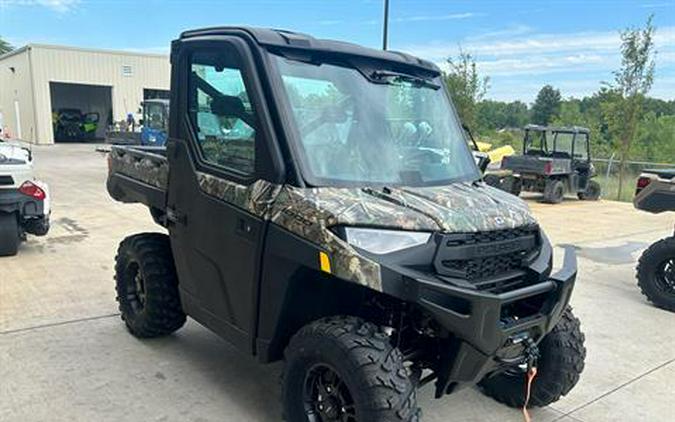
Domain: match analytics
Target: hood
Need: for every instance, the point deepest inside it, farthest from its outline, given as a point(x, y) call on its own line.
point(13, 154)
point(455, 208)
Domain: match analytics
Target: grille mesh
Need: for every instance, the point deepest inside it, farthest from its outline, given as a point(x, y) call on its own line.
point(479, 269)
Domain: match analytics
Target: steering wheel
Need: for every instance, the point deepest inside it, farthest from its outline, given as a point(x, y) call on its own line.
point(333, 113)
point(423, 156)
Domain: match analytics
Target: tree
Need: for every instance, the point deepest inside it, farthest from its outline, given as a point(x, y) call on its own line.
point(571, 115)
point(466, 86)
point(492, 115)
point(632, 82)
point(5, 47)
point(546, 106)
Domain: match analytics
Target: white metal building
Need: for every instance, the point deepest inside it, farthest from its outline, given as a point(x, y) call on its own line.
point(39, 80)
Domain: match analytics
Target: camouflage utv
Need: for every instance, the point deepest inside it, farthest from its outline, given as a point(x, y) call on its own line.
point(322, 206)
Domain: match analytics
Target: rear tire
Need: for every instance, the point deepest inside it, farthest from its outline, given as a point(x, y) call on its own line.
point(516, 186)
point(493, 180)
point(592, 192)
point(554, 191)
point(10, 236)
point(147, 286)
point(561, 362)
point(369, 378)
point(656, 273)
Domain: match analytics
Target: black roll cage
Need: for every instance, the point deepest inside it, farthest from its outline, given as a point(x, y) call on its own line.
point(542, 138)
point(285, 159)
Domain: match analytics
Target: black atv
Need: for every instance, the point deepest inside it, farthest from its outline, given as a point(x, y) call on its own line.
point(655, 193)
point(299, 228)
point(554, 161)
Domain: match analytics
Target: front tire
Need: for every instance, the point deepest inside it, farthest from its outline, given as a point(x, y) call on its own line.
point(345, 369)
point(10, 236)
point(656, 273)
point(560, 364)
point(554, 191)
point(147, 286)
point(592, 192)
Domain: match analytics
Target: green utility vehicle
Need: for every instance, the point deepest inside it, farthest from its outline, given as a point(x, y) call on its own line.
point(70, 124)
point(555, 161)
point(322, 206)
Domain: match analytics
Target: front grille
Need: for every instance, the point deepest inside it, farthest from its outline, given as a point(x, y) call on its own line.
point(6, 181)
point(491, 260)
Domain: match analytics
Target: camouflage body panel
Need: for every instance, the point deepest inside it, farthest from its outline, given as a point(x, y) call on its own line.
point(309, 213)
point(468, 207)
point(298, 211)
point(149, 168)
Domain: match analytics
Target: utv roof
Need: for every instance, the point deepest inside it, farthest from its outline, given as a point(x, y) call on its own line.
point(156, 101)
point(559, 129)
point(302, 42)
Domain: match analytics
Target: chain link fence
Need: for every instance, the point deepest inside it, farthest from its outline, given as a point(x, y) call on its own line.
point(607, 170)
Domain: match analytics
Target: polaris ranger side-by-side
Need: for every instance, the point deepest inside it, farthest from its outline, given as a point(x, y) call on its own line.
point(322, 206)
point(554, 161)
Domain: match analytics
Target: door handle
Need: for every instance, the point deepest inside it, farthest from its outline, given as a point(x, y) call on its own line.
point(245, 228)
point(176, 217)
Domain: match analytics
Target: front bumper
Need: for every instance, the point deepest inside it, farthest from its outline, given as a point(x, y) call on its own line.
point(486, 329)
point(484, 335)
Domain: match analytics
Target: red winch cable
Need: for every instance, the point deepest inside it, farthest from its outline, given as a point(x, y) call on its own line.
point(531, 373)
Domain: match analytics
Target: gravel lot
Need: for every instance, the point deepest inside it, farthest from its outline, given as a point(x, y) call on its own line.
point(66, 356)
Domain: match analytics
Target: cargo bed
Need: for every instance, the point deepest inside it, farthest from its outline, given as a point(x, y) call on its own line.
point(138, 174)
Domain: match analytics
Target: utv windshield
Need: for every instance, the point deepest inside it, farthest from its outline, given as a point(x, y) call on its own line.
point(156, 116)
point(385, 129)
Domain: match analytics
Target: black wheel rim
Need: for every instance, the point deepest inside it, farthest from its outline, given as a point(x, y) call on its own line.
point(326, 397)
point(135, 287)
point(665, 276)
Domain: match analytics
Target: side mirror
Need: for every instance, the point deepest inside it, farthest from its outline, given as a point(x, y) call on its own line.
point(482, 160)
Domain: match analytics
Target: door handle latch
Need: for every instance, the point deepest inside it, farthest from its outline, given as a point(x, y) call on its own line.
point(245, 228)
point(175, 216)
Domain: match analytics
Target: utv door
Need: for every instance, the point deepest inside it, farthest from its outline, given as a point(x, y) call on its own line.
point(223, 136)
point(581, 162)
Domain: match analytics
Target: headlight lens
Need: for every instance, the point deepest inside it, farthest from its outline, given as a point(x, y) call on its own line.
point(384, 241)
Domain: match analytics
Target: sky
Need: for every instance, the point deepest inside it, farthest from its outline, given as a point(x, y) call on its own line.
point(521, 45)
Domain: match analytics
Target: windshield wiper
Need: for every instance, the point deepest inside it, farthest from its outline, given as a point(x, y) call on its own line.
point(382, 76)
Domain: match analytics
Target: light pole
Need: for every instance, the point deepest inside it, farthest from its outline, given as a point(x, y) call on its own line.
point(385, 28)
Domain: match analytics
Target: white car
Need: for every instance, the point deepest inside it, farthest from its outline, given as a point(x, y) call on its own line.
point(24, 200)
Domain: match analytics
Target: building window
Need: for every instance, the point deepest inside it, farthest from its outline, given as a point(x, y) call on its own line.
point(127, 70)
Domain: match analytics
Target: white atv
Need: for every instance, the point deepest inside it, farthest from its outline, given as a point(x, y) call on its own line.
point(655, 193)
point(24, 201)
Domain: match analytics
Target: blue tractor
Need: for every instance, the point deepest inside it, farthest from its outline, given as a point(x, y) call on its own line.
point(155, 122)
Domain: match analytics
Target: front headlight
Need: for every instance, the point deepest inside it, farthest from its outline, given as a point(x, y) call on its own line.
point(384, 241)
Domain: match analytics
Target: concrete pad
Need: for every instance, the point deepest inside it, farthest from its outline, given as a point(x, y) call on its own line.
point(648, 399)
point(625, 335)
point(95, 370)
point(68, 274)
point(92, 369)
